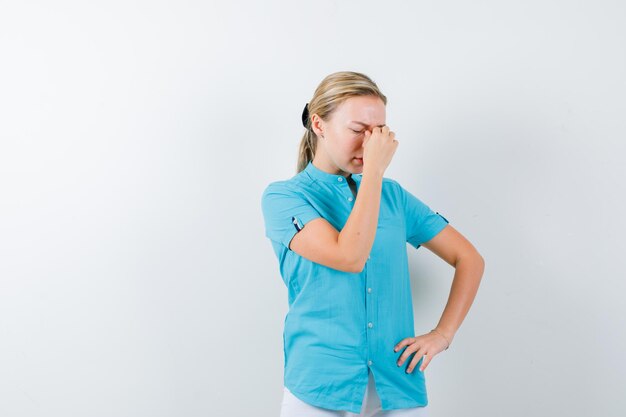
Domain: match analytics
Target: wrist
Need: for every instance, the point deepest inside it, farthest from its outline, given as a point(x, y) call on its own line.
point(444, 335)
point(374, 173)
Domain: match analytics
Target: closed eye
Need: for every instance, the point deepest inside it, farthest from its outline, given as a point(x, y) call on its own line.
point(356, 131)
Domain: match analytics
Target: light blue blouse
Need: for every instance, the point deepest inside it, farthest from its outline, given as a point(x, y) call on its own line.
point(340, 325)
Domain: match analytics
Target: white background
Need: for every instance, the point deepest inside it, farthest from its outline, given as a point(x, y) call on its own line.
point(136, 139)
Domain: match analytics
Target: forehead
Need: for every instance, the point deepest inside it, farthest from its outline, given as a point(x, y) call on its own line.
point(362, 110)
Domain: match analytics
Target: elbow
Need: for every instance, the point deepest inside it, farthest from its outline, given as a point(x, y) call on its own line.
point(480, 264)
point(349, 261)
point(480, 260)
point(356, 269)
point(356, 266)
point(472, 257)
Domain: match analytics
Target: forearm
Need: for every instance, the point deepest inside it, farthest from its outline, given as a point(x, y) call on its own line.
point(357, 236)
point(467, 276)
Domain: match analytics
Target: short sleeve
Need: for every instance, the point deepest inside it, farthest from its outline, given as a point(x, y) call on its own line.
point(285, 212)
point(422, 223)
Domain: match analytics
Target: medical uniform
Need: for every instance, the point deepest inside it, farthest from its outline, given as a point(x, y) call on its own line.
point(343, 325)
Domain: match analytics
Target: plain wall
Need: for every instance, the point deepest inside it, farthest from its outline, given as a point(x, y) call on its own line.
point(136, 139)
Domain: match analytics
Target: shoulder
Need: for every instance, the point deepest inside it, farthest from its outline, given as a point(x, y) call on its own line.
point(291, 185)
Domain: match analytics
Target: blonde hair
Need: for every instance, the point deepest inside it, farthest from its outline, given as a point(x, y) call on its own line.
point(331, 92)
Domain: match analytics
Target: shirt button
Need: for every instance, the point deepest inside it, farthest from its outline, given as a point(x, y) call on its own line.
point(369, 290)
point(370, 325)
point(349, 198)
point(368, 256)
point(370, 363)
point(340, 179)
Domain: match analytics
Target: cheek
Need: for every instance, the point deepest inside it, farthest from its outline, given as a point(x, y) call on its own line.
point(343, 144)
point(348, 145)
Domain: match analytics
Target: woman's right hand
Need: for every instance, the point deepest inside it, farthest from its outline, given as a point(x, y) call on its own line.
point(379, 146)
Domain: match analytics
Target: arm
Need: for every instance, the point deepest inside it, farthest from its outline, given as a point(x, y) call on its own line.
point(347, 250)
point(452, 247)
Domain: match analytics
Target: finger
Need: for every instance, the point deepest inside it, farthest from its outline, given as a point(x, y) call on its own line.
point(425, 362)
point(407, 352)
point(414, 361)
point(403, 342)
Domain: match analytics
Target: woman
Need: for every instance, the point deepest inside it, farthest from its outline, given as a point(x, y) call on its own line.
point(339, 229)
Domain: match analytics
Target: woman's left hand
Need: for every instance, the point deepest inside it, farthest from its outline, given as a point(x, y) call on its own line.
point(426, 345)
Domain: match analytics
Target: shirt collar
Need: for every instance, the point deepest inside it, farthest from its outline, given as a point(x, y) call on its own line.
point(317, 174)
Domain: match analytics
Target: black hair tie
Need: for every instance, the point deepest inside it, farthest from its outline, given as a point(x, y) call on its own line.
point(305, 115)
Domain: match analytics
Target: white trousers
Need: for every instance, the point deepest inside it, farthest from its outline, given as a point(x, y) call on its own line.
point(292, 406)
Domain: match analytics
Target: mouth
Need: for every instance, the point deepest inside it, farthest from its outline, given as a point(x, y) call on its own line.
point(359, 160)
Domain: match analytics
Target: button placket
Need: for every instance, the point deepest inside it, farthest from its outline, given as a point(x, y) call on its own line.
point(345, 189)
point(369, 311)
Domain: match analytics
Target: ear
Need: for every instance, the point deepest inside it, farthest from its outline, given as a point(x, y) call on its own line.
point(317, 125)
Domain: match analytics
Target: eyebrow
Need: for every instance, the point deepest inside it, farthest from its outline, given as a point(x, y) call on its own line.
point(364, 124)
